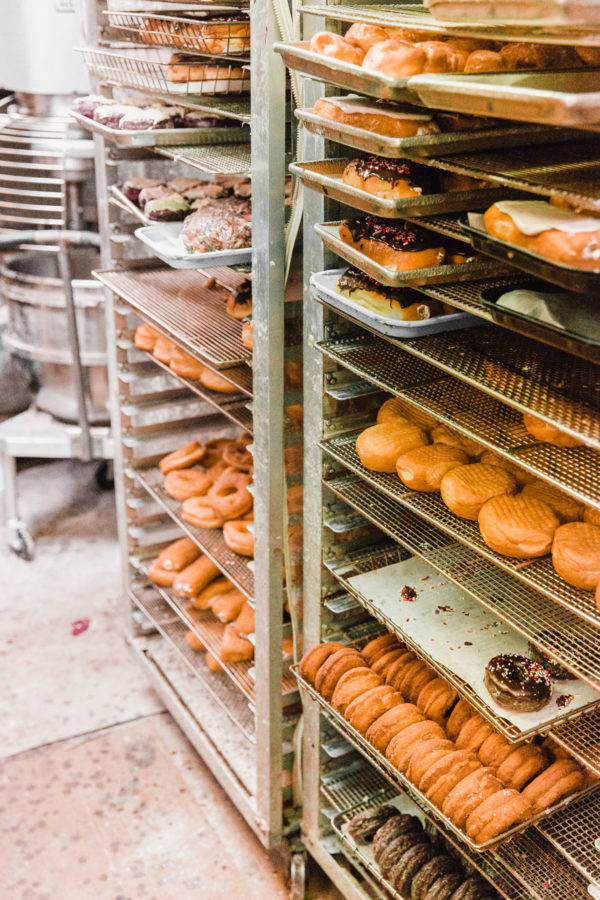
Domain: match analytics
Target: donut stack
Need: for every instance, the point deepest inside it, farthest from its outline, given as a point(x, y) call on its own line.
point(414, 863)
point(518, 515)
point(472, 774)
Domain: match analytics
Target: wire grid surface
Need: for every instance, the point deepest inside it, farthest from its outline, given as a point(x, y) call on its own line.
point(526, 374)
point(210, 540)
point(538, 574)
point(185, 34)
point(229, 405)
point(541, 870)
point(226, 159)
point(356, 784)
point(485, 419)
point(581, 739)
point(181, 303)
point(222, 690)
point(574, 832)
point(562, 635)
point(447, 224)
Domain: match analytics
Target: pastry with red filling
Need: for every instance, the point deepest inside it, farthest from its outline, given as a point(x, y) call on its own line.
point(401, 246)
point(394, 303)
point(390, 179)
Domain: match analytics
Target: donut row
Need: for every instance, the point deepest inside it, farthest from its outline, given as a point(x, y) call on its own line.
point(519, 516)
point(415, 863)
point(480, 781)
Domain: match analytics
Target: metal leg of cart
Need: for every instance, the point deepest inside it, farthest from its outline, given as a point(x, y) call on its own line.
point(19, 537)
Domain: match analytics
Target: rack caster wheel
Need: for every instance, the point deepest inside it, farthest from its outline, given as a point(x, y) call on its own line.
point(20, 541)
point(298, 876)
point(105, 476)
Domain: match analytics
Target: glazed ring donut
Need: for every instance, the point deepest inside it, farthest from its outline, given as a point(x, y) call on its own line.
point(385, 660)
point(401, 748)
point(229, 496)
point(429, 752)
point(184, 483)
point(314, 658)
point(198, 512)
point(473, 733)
point(391, 723)
point(328, 44)
point(459, 715)
point(501, 811)
point(394, 673)
point(464, 799)
point(164, 577)
point(521, 766)
point(463, 764)
point(334, 667)
point(238, 537)
point(351, 685)
point(236, 455)
point(214, 451)
point(494, 750)
point(386, 641)
point(562, 778)
point(183, 458)
point(215, 472)
point(363, 711)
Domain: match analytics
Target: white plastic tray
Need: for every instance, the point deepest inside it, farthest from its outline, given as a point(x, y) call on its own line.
point(165, 242)
point(324, 283)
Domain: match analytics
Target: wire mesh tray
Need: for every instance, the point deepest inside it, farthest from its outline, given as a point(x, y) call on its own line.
point(300, 57)
point(166, 243)
point(163, 137)
point(185, 34)
point(428, 144)
point(582, 280)
point(403, 782)
point(506, 12)
point(323, 284)
point(325, 176)
point(151, 70)
point(548, 98)
point(469, 271)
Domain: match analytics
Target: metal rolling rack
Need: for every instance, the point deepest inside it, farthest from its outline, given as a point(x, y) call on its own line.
point(240, 720)
point(382, 523)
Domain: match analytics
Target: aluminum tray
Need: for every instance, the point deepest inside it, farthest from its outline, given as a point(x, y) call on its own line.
point(165, 242)
point(397, 778)
point(548, 98)
point(325, 176)
point(298, 56)
point(535, 12)
point(429, 144)
point(580, 280)
point(323, 284)
point(471, 271)
point(164, 137)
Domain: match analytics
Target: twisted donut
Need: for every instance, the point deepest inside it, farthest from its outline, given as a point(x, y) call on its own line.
point(185, 483)
point(182, 458)
point(198, 512)
point(229, 496)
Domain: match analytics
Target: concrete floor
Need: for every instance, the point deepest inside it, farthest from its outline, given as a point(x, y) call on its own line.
point(103, 797)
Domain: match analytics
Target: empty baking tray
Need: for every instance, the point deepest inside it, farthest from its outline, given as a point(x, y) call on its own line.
point(581, 280)
point(325, 176)
point(469, 271)
point(323, 284)
point(165, 242)
point(164, 137)
point(551, 98)
point(429, 144)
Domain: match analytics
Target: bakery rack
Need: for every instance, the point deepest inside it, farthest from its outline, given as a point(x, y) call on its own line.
point(241, 719)
point(182, 33)
point(479, 382)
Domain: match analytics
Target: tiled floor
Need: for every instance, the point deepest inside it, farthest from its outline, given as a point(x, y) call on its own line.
point(102, 796)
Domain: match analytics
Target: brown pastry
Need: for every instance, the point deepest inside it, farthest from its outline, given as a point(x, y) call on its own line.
point(185, 456)
point(179, 554)
point(423, 468)
point(436, 700)
point(314, 658)
point(363, 827)
point(235, 648)
point(184, 365)
point(365, 36)
point(385, 642)
point(351, 685)
point(473, 733)
point(494, 750)
point(227, 607)
point(564, 507)
point(326, 43)
point(518, 683)
point(465, 489)
point(395, 409)
point(215, 382)
point(562, 778)
point(380, 118)
point(494, 459)
point(145, 337)
point(209, 594)
point(401, 247)
point(395, 59)
point(385, 660)
point(159, 575)
point(379, 446)
point(418, 681)
point(497, 814)
point(163, 349)
point(245, 622)
point(184, 483)
point(519, 527)
point(441, 434)
point(364, 710)
point(194, 642)
point(191, 580)
point(469, 793)
point(401, 748)
point(390, 179)
point(576, 554)
point(461, 713)
point(548, 433)
point(521, 766)
point(396, 671)
point(391, 723)
point(430, 751)
point(463, 764)
point(334, 667)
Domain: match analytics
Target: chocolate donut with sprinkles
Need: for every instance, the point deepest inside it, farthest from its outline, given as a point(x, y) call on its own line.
point(401, 247)
point(518, 683)
point(390, 179)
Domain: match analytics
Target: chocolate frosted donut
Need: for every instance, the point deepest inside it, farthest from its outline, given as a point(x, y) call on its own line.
point(518, 683)
point(406, 237)
point(402, 874)
point(397, 848)
point(444, 887)
point(363, 827)
point(429, 873)
point(473, 889)
point(394, 828)
point(417, 179)
point(554, 669)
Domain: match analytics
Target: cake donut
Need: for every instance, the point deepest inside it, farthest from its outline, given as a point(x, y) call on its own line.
point(418, 681)
point(184, 483)
point(518, 683)
point(576, 554)
point(385, 660)
point(494, 750)
point(229, 495)
point(178, 555)
point(562, 778)
point(401, 748)
point(325, 43)
point(473, 889)
point(393, 675)
point(431, 872)
point(351, 685)
point(403, 872)
point(314, 658)
point(238, 537)
point(459, 715)
point(521, 766)
point(364, 825)
point(379, 446)
point(460, 767)
point(334, 667)
point(396, 247)
point(436, 700)
point(363, 711)
point(381, 732)
point(237, 455)
point(398, 850)
point(395, 827)
point(442, 766)
point(182, 458)
point(145, 337)
point(444, 887)
point(469, 793)
point(410, 671)
point(387, 641)
point(473, 733)
point(497, 814)
point(430, 750)
point(390, 179)
point(185, 366)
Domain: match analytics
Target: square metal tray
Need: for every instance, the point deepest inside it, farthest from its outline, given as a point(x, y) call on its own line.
point(164, 137)
point(429, 144)
point(569, 98)
point(164, 241)
point(325, 176)
point(323, 284)
point(581, 280)
point(470, 271)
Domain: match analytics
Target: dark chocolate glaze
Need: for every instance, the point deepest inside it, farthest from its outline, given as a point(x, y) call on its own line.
point(395, 170)
point(430, 872)
point(444, 887)
point(406, 237)
point(556, 671)
point(408, 865)
point(518, 680)
point(355, 280)
point(364, 825)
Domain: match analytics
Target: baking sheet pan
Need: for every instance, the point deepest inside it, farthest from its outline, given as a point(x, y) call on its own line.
point(165, 242)
point(532, 12)
point(164, 137)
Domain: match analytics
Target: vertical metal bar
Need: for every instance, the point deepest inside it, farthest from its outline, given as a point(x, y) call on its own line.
point(268, 255)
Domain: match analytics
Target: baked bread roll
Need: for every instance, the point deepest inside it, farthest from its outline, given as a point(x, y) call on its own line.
point(394, 246)
point(591, 515)
point(379, 117)
point(390, 179)
point(395, 59)
point(365, 36)
point(564, 507)
point(465, 489)
point(397, 408)
point(179, 554)
point(576, 554)
point(519, 527)
point(423, 468)
point(557, 234)
point(325, 43)
point(145, 337)
point(379, 446)
point(392, 302)
point(548, 433)
point(494, 459)
point(441, 434)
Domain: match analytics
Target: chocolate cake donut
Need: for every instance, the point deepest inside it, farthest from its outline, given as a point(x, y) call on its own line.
point(399, 847)
point(518, 683)
point(554, 669)
point(473, 889)
point(363, 826)
point(395, 827)
point(433, 870)
point(390, 178)
point(405, 869)
point(400, 246)
point(444, 887)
